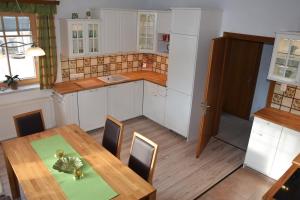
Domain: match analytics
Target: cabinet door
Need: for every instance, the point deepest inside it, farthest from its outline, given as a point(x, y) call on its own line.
point(128, 31)
point(110, 23)
point(147, 31)
point(77, 38)
point(178, 112)
point(164, 22)
point(137, 98)
point(119, 99)
point(186, 21)
point(66, 109)
point(288, 149)
point(92, 108)
point(286, 59)
point(93, 37)
point(182, 61)
point(263, 145)
point(154, 102)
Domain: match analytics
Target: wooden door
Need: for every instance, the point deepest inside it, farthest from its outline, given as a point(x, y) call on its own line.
point(212, 103)
point(240, 76)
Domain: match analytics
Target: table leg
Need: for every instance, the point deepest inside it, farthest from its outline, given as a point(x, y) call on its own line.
point(13, 182)
point(152, 196)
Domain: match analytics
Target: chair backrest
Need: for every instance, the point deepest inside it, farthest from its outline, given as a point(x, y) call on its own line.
point(29, 123)
point(113, 135)
point(143, 155)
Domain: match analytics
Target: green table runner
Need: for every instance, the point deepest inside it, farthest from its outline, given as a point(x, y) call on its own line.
point(91, 186)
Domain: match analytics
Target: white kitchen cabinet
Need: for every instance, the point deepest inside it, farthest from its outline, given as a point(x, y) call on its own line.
point(80, 37)
point(66, 109)
point(191, 33)
point(262, 145)
point(164, 22)
point(110, 31)
point(92, 108)
point(128, 30)
point(154, 102)
point(286, 58)
point(124, 100)
point(178, 112)
point(271, 148)
point(147, 37)
point(137, 98)
point(182, 61)
point(288, 149)
point(186, 21)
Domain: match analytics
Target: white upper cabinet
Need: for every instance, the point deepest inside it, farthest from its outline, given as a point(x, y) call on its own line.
point(128, 30)
point(186, 21)
point(182, 56)
point(286, 59)
point(119, 30)
point(80, 37)
point(164, 22)
point(147, 31)
point(110, 21)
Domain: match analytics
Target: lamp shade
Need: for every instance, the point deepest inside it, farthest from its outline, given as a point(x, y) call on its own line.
point(35, 51)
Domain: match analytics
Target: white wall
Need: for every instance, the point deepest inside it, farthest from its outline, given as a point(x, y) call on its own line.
point(258, 17)
point(262, 84)
point(261, 17)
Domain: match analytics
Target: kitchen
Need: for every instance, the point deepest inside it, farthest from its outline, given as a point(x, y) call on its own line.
point(167, 95)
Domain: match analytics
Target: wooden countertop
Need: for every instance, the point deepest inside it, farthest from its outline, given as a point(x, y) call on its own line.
point(274, 189)
point(92, 83)
point(282, 118)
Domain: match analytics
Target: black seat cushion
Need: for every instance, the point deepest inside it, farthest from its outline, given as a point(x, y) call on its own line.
point(30, 124)
point(139, 167)
point(111, 136)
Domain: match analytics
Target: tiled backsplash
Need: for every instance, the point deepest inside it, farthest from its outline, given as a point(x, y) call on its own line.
point(97, 66)
point(287, 101)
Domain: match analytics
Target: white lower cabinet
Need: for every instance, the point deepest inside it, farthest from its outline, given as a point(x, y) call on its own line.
point(66, 109)
point(288, 149)
point(178, 112)
point(154, 102)
point(92, 108)
point(271, 148)
point(124, 101)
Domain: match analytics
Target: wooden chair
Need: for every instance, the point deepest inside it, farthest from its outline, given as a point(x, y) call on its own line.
point(143, 155)
point(29, 123)
point(113, 135)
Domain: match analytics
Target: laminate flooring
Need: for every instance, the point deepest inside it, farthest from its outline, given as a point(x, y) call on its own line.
point(178, 175)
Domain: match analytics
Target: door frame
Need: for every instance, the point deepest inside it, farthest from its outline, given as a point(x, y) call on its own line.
point(239, 36)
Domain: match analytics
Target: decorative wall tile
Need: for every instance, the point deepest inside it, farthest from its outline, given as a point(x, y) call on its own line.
point(87, 62)
point(94, 62)
point(112, 64)
point(100, 60)
point(72, 64)
point(296, 104)
point(288, 100)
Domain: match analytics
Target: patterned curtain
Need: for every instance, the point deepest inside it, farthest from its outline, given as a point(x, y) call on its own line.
point(47, 41)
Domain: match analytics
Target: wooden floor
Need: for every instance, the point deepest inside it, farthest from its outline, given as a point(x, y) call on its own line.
point(179, 175)
point(244, 184)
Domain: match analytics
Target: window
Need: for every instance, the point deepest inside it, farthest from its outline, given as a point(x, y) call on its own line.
point(13, 61)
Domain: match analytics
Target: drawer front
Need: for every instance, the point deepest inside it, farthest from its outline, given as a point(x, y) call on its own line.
point(266, 128)
point(266, 138)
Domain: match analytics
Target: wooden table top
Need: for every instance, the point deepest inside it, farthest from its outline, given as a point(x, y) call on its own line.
point(282, 118)
point(274, 189)
point(92, 83)
point(37, 182)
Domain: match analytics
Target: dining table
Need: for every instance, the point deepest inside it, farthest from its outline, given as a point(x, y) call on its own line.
point(28, 164)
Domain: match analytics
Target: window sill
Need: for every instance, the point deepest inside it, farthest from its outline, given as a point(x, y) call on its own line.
point(20, 89)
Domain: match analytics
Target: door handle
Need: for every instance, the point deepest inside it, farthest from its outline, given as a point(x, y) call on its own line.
point(204, 105)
